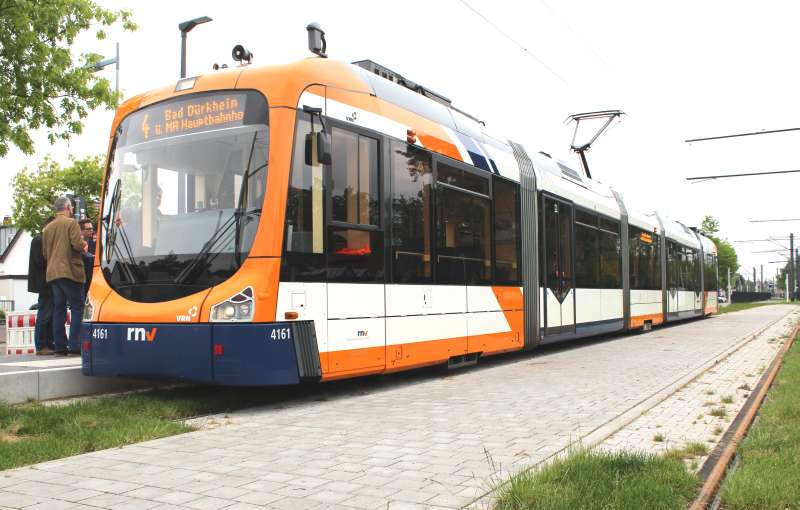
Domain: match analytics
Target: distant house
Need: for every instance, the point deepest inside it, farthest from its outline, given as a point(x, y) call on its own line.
point(15, 247)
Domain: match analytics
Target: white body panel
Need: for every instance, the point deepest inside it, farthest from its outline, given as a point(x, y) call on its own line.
point(645, 302)
point(309, 300)
point(611, 304)
point(431, 299)
point(482, 299)
point(588, 305)
point(356, 316)
point(350, 300)
point(424, 328)
point(347, 334)
point(486, 323)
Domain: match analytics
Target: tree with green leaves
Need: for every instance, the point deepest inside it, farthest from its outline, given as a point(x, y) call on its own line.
point(35, 191)
point(41, 85)
point(726, 253)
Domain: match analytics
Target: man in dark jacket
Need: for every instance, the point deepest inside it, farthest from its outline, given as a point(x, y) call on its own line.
point(64, 248)
point(43, 332)
point(87, 231)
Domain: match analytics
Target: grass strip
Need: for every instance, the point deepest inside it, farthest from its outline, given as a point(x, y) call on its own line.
point(738, 307)
point(589, 480)
point(31, 433)
point(769, 457)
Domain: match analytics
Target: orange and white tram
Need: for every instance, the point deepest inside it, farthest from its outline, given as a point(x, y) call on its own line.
point(320, 220)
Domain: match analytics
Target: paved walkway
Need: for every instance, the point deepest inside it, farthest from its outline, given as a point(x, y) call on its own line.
point(421, 441)
point(703, 409)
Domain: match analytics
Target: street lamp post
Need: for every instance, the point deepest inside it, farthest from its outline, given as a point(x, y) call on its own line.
point(107, 62)
point(185, 28)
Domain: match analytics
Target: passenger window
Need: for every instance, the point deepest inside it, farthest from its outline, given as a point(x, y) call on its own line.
point(462, 179)
point(506, 235)
point(610, 254)
point(587, 252)
point(354, 179)
point(355, 255)
point(463, 239)
point(411, 214)
point(355, 241)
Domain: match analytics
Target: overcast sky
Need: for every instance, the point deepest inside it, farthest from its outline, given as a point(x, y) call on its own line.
point(680, 69)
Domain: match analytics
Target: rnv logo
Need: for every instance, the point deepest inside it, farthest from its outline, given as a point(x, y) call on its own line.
point(141, 334)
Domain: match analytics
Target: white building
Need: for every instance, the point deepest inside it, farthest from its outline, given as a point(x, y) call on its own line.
point(15, 247)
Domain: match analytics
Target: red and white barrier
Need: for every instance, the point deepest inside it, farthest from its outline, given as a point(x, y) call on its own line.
point(19, 332)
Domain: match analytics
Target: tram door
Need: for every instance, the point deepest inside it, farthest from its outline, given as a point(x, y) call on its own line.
point(558, 264)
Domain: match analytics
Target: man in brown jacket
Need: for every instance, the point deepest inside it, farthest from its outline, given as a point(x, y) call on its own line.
point(63, 247)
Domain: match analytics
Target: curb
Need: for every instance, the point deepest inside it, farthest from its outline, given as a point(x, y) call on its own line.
point(54, 383)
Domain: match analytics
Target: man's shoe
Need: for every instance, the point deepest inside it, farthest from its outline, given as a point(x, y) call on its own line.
point(45, 351)
point(74, 352)
point(62, 353)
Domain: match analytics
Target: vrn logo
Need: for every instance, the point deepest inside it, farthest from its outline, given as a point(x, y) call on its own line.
point(141, 334)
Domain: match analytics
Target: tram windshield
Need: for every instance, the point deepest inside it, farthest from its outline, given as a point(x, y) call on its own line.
point(184, 193)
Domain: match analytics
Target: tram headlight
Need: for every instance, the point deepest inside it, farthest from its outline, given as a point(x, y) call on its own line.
point(237, 308)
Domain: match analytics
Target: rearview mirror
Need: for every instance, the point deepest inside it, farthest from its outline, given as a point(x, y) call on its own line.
point(323, 143)
point(324, 147)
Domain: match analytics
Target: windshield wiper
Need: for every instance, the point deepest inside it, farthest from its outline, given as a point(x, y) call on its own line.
point(216, 237)
point(221, 232)
point(112, 229)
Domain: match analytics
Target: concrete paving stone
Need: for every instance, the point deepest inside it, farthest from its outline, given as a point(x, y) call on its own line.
point(177, 497)
point(147, 492)
point(208, 503)
point(290, 503)
point(78, 495)
point(15, 500)
point(244, 506)
point(104, 485)
point(448, 501)
point(263, 485)
point(258, 497)
point(404, 505)
point(198, 487)
point(343, 476)
point(329, 496)
point(42, 489)
point(52, 505)
point(408, 484)
point(134, 504)
point(365, 502)
point(412, 496)
point(227, 492)
point(105, 500)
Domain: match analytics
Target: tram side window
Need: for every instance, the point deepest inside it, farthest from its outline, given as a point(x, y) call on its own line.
point(355, 241)
point(695, 271)
point(411, 214)
point(645, 268)
point(710, 274)
point(354, 179)
point(463, 233)
point(610, 254)
point(305, 205)
point(673, 275)
point(587, 251)
point(506, 234)
point(655, 263)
